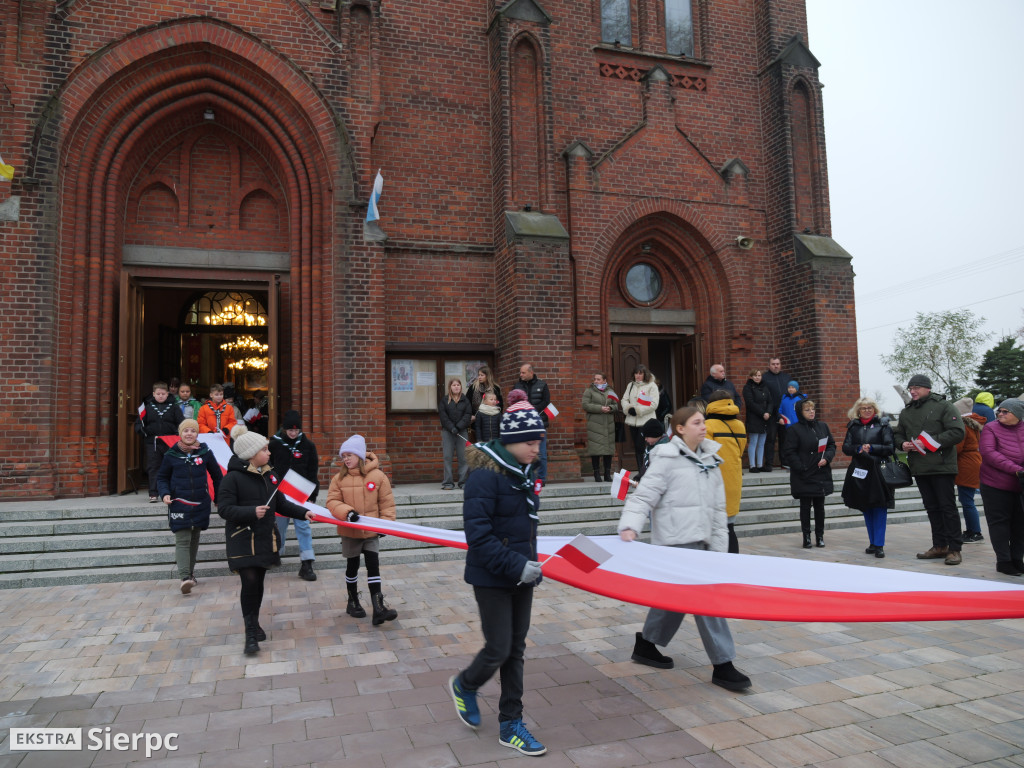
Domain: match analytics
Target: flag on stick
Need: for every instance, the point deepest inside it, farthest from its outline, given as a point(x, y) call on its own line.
point(372, 212)
point(822, 444)
point(584, 553)
point(551, 411)
point(142, 411)
point(643, 399)
point(296, 486)
point(611, 396)
point(929, 442)
point(620, 484)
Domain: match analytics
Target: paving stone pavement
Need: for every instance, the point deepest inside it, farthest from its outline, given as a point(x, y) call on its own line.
point(331, 691)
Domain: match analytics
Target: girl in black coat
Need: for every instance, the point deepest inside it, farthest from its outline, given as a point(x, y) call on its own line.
point(183, 487)
point(757, 399)
point(808, 452)
point(248, 501)
point(869, 439)
point(456, 412)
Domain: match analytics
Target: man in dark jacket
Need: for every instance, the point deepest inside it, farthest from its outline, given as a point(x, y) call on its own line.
point(929, 430)
point(539, 397)
point(291, 449)
point(157, 416)
point(776, 380)
point(717, 381)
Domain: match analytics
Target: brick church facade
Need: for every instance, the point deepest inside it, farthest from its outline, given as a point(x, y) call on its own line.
point(577, 184)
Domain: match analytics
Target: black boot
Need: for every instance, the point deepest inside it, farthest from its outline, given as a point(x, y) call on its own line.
point(730, 678)
point(595, 462)
point(646, 652)
point(597, 476)
point(382, 611)
point(251, 644)
point(819, 541)
point(260, 634)
point(807, 541)
point(306, 571)
point(354, 609)
point(607, 469)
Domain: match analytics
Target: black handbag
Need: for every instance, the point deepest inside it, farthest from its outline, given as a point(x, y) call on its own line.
point(895, 473)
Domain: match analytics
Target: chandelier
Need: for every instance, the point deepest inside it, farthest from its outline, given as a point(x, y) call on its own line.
point(246, 345)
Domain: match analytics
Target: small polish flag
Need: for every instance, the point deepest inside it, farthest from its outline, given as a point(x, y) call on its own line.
point(643, 399)
point(612, 396)
point(551, 411)
point(784, 419)
point(929, 442)
point(584, 553)
point(822, 444)
point(296, 486)
point(620, 484)
point(252, 414)
point(142, 411)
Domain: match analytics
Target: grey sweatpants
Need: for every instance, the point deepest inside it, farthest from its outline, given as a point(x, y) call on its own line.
point(661, 626)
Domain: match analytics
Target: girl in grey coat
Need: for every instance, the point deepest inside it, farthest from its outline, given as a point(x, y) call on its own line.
point(684, 496)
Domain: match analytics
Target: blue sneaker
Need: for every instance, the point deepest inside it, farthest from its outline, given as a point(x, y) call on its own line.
point(514, 734)
point(465, 703)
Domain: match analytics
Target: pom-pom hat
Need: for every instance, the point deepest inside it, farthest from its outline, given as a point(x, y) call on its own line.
point(249, 444)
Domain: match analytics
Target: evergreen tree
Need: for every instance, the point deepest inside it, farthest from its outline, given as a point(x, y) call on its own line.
point(1002, 370)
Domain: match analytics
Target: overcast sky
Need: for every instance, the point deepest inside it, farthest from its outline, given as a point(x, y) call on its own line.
point(924, 124)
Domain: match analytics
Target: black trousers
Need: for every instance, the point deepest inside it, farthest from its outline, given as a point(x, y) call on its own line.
point(504, 621)
point(639, 448)
point(938, 492)
point(154, 457)
point(819, 515)
point(1004, 513)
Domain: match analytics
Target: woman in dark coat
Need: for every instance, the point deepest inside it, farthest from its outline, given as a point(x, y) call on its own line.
point(757, 399)
point(456, 412)
point(248, 501)
point(808, 452)
point(601, 404)
point(183, 487)
point(868, 440)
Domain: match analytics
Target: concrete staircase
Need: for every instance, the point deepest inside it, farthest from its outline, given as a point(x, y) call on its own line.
point(122, 538)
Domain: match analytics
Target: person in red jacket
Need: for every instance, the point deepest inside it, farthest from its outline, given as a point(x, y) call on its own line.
point(216, 415)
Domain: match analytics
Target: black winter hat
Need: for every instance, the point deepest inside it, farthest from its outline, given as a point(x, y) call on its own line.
point(653, 428)
point(920, 380)
point(292, 420)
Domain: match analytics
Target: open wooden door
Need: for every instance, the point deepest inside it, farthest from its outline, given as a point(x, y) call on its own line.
point(129, 390)
point(273, 290)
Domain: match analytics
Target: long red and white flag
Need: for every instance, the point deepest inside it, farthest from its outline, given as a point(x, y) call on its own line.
point(748, 586)
point(735, 586)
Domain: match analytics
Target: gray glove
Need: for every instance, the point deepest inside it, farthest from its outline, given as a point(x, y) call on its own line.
point(531, 572)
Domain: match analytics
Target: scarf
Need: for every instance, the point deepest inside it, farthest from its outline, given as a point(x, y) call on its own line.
point(489, 410)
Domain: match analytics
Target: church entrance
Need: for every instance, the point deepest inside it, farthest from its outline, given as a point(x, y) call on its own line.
point(671, 358)
point(199, 331)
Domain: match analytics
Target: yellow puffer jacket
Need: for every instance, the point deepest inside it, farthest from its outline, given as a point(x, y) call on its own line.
point(727, 429)
point(368, 493)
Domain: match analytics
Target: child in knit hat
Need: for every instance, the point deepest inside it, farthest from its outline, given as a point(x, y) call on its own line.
point(183, 487)
point(291, 449)
point(361, 487)
point(499, 514)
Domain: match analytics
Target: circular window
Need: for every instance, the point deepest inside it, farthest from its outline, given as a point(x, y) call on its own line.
point(643, 283)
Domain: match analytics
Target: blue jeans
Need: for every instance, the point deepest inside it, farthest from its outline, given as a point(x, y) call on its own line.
point(971, 521)
point(303, 533)
point(542, 460)
point(755, 449)
point(874, 519)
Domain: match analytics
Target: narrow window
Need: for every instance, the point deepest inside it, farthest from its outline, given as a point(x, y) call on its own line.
point(615, 27)
point(678, 28)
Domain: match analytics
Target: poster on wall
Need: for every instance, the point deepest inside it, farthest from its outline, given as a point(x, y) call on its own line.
point(401, 376)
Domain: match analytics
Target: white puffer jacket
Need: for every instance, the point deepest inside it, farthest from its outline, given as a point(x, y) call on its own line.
point(683, 494)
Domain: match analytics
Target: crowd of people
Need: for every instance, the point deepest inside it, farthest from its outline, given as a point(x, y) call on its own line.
point(688, 487)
